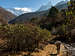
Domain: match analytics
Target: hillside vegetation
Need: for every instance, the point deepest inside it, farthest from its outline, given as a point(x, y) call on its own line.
point(22, 37)
point(5, 16)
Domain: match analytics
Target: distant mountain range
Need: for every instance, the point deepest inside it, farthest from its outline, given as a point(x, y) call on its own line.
point(19, 11)
point(60, 5)
point(16, 12)
point(38, 14)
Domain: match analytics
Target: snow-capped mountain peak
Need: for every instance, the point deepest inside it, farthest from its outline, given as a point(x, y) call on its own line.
point(49, 5)
point(18, 11)
point(45, 7)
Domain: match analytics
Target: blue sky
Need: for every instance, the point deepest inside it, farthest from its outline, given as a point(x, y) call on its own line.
point(32, 4)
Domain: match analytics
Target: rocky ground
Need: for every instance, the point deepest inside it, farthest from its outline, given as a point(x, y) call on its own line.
point(48, 50)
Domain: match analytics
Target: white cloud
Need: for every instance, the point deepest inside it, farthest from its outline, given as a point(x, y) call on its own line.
point(24, 9)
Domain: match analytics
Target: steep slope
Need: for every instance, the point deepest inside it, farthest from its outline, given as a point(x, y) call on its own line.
point(25, 17)
point(5, 15)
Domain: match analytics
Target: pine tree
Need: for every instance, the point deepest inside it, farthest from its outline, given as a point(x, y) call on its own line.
point(53, 12)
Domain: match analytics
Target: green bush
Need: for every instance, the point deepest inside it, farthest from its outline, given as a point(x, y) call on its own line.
point(23, 37)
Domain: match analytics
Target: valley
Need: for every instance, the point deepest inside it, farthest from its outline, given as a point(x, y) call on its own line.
point(49, 31)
